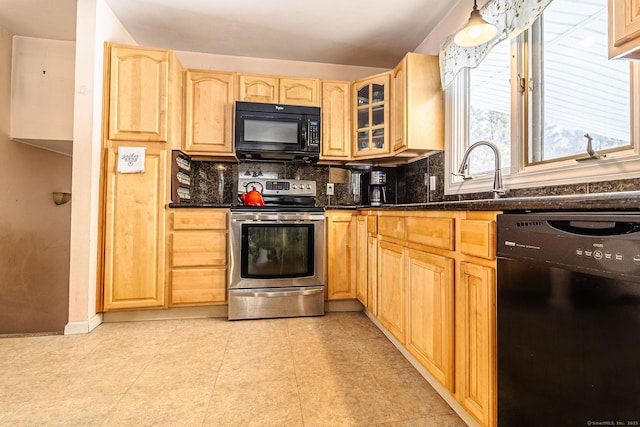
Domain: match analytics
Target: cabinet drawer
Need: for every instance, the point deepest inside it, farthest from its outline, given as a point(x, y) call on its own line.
point(199, 285)
point(391, 226)
point(372, 224)
point(199, 248)
point(478, 238)
point(202, 219)
point(435, 232)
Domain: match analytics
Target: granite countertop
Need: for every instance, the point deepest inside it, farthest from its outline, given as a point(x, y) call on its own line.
point(622, 200)
point(595, 201)
point(199, 205)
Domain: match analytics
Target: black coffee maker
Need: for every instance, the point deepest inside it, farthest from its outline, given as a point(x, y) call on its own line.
point(376, 189)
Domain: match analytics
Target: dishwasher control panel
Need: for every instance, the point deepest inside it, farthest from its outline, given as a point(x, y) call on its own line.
point(596, 242)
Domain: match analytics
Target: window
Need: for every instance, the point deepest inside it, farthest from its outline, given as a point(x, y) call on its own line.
point(490, 108)
point(537, 95)
point(575, 89)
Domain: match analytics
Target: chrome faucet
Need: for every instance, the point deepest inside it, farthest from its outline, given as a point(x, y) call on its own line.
point(498, 190)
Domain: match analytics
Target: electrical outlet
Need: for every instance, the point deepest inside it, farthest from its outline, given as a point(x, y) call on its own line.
point(432, 183)
point(329, 189)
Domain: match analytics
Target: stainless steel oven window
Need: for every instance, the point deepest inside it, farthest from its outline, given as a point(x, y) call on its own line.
point(317, 242)
point(277, 250)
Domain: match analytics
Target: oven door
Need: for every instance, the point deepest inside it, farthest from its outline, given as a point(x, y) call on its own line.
point(276, 250)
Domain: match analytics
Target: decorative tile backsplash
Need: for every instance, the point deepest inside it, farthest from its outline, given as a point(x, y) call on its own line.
point(216, 182)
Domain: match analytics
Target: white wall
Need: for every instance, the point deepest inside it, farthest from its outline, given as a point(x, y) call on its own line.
point(42, 89)
point(34, 232)
point(96, 24)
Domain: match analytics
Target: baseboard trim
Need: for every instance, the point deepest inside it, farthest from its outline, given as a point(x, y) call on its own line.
point(84, 327)
point(343, 305)
point(172, 313)
point(439, 388)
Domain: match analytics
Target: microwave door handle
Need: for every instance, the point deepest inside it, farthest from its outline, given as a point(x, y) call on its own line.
point(304, 134)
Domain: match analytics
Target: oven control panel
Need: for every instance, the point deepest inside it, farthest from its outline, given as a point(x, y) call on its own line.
point(285, 187)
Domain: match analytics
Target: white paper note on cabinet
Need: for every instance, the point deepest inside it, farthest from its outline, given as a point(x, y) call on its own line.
point(131, 159)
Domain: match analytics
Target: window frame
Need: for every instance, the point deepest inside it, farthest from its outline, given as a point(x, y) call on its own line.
point(517, 172)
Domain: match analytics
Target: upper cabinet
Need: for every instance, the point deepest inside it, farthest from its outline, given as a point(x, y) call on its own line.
point(624, 29)
point(258, 88)
point(371, 117)
point(209, 98)
point(336, 129)
point(145, 94)
point(299, 91)
point(279, 90)
point(417, 113)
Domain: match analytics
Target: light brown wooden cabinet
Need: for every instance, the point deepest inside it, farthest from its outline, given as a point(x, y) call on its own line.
point(392, 289)
point(476, 366)
point(370, 122)
point(372, 276)
point(361, 260)
point(336, 123)
point(198, 256)
point(430, 334)
point(209, 102)
point(624, 29)
point(341, 254)
point(436, 295)
point(134, 233)
point(279, 90)
point(476, 341)
point(417, 110)
point(144, 94)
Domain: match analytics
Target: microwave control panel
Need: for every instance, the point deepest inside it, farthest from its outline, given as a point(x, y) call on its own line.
point(314, 132)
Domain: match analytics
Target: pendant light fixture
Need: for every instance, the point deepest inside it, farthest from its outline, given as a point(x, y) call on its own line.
point(477, 31)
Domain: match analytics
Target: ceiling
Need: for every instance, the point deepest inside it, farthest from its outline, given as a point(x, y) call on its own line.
point(375, 33)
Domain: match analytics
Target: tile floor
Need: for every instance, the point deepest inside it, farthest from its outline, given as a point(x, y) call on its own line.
point(317, 371)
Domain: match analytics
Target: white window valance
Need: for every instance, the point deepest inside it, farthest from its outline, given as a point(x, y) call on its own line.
point(510, 16)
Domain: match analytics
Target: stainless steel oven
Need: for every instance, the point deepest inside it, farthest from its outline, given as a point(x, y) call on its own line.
point(277, 260)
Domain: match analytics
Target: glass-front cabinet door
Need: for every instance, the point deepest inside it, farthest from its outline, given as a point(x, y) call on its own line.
point(371, 116)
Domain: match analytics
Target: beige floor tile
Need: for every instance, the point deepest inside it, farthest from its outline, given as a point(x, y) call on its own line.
point(248, 371)
point(331, 370)
point(344, 399)
point(439, 421)
point(263, 403)
point(86, 411)
point(175, 372)
point(183, 407)
point(410, 394)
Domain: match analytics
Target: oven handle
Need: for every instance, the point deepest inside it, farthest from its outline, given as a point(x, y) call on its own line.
point(279, 219)
point(283, 292)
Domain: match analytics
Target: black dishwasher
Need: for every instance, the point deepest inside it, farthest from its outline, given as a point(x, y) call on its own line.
point(568, 300)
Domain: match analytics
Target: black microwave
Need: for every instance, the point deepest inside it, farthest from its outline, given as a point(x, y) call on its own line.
point(277, 132)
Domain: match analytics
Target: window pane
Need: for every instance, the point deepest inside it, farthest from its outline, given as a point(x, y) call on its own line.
point(578, 89)
point(490, 109)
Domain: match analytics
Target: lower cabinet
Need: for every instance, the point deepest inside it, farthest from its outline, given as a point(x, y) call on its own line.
point(134, 233)
point(341, 254)
point(430, 333)
point(391, 289)
point(362, 275)
point(476, 341)
point(198, 254)
point(436, 294)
